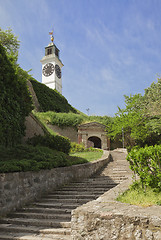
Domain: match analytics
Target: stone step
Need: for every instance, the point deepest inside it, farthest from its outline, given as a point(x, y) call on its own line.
point(99, 181)
point(59, 196)
point(30, 229)
point(66, 192)
point(58, 205)
point(85, 189)
point(36, 222)
point(25, 236)
point(103, 177)
point(45, 210)
point(62, 217)
point(81, 201)
point(94, 185)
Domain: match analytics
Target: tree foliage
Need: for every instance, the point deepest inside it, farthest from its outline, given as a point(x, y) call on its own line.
point(140, 119)
point(10, 42)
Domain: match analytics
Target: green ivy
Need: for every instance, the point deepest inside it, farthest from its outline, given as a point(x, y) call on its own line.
point(51, 100)
point(15, 101)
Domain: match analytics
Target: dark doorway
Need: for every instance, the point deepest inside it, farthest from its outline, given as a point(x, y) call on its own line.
point(96, 141)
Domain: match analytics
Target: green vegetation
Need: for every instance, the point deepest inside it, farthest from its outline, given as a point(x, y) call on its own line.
point(137, 196)
point(51, 100)
point(141, 118)
point(69, 119)
point(15, 100)
point(61, 119)
point(146, 162)
point(88, 155)
point(75, 147)
point(54, 142)
point(29, 158)
point(11, 44)
point(140, 121)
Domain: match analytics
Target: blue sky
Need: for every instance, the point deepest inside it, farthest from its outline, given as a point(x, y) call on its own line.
point(108, 47)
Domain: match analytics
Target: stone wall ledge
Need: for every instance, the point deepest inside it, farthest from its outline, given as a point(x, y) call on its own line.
point(107, 219)
point(20, 188)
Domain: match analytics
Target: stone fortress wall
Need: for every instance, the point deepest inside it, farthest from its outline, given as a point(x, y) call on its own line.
point(69, 132)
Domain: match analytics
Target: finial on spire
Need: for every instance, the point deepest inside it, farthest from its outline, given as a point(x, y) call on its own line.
point(52, 37)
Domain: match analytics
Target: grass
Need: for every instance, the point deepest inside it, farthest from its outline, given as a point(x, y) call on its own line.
point(137, 196)
point(89, 156)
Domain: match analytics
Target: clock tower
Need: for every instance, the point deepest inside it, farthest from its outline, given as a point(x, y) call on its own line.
point(51, 67)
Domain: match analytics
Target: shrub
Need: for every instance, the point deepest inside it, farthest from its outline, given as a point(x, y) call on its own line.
point(29, 158)
point(55, 142)
point(75, 147)
point(146, 162)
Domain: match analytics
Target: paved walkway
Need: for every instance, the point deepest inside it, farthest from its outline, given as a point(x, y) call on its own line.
point(49, 218)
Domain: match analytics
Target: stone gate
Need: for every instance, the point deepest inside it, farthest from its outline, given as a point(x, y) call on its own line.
point(93, 135)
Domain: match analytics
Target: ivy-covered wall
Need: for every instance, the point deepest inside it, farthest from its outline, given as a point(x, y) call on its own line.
point(51, 100)
point(15, 101)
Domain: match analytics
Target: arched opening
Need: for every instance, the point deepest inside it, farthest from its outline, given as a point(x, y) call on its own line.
point(94, 142)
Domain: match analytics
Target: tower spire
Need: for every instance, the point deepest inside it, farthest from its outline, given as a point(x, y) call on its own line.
point(52, 37)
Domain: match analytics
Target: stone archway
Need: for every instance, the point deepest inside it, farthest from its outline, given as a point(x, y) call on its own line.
point(94, 142)
point(93, 134)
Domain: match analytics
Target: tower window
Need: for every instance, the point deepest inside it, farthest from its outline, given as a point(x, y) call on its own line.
point(49, 51)
point(56, 52)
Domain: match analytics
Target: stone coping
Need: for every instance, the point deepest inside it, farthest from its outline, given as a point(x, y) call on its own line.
point(106, 205)
point(106, 218)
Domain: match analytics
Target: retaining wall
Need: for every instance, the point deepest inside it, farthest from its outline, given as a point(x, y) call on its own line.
point(69, 132)
point(105, 218)
point(19, 188)
point(33, 127)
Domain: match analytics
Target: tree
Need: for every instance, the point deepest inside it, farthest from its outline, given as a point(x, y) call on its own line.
point(141, 118)
point(152, 99)
point(10, 42)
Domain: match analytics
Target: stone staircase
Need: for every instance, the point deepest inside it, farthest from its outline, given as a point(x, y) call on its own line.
point(49, 218)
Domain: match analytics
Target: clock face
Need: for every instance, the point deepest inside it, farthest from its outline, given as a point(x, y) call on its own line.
point(48, 69)
point(58, 71)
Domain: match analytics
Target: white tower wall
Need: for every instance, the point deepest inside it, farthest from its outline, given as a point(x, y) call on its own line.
point(52, 79)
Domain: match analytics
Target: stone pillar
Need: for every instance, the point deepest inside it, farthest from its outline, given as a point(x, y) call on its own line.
point(104, 142)
point(79, 138)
